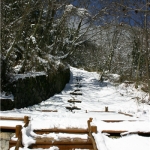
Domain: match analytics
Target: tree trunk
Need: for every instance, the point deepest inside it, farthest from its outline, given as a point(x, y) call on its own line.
point(147, 50)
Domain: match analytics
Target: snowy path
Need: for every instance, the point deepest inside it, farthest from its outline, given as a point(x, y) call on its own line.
point(95, 97)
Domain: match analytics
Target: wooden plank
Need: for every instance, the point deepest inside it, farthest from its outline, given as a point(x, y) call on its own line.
point(112, 112)
point(74, 93)
point(7, 128)
point(48, 110)
point(12, 143)
point(74, 101)
point(11, 118)
point(113, 131)
point(72, 108)
point(77, 90)
point(63, 141)
point(101, 111)
point(120, 120)
point(125, 114)
point(64, 147)
point(58, 130)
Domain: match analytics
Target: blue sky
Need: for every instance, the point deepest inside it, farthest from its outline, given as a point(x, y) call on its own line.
point(132, 17)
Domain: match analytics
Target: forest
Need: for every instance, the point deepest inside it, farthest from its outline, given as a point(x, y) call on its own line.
point(104, 36)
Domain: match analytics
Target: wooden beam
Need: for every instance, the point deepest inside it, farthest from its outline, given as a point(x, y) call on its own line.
point(7, 128)
point(112, 112)
point(49, 110)
point(77, 90)
point(101, 111)
point(72, 108)
point(59, 130)
point(74, 101)
point(120, 120)
point(63, 141)
point(12, 118)
point(113, 131)
point(125, 114)
point(63, 147)
point(74, 93)
point(12, 143)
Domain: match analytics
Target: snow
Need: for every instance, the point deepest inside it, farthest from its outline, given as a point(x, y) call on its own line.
point(129, 126)
point(129, 142)
point(27, 75)
point(79, 11)
point(6, 96)
point(12, 123)
point(51, 148)
point(95, 97)
point(33, 39)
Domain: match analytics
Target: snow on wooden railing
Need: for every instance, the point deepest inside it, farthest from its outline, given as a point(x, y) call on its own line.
point(62, 143)
point(92, 129)
point(18, 133)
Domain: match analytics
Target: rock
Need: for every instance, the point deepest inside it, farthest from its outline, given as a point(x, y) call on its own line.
point(4, 140)
point(33, 88)
point(6, 104)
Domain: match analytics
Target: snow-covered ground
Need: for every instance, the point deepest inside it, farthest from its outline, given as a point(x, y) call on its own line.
point(95, 97)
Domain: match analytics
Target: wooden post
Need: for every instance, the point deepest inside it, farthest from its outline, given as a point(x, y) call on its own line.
point(89, 125)
point(106, 109)
point(19, 136)
point(18, 130)
point(90, 119)
point(26, 121)
point(94, 129)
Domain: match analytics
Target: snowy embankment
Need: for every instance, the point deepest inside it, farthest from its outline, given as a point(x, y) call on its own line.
point(94, 97)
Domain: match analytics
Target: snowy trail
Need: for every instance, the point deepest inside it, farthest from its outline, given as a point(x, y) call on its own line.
point(95, 97)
